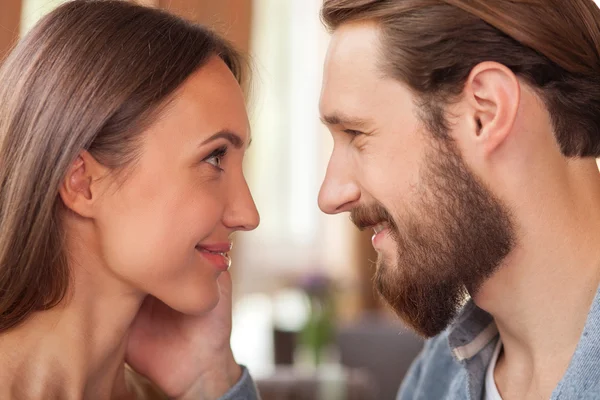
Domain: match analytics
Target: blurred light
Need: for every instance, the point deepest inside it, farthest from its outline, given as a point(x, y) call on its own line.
point(33, 10)
point(291, 309)
point(252, 334)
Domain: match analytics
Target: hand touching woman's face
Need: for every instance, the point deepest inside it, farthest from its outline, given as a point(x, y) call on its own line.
point(166, 229)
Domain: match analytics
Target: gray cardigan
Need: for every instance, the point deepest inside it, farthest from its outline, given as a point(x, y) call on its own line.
point(243, 390)
point(143, 389)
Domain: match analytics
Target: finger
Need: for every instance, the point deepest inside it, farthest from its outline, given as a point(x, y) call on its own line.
point(225, 284)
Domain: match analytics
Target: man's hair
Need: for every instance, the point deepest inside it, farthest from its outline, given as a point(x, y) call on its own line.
point(432, 46)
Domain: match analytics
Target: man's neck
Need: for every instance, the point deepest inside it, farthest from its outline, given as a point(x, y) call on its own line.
point(74, 351)
point(541, 296)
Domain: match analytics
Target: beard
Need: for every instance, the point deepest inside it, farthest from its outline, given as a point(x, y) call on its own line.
point(454, 238)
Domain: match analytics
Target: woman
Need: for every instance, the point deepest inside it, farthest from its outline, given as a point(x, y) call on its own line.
point(122, 135)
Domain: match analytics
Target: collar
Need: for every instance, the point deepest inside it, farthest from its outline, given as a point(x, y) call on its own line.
point(470, 335)
point(472, 330)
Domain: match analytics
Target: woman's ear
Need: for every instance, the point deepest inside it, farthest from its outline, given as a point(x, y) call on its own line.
point(79, 190)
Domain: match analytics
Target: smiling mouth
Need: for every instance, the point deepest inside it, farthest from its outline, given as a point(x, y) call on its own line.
point(380, 227)
point(216, 254)
point(220, 253)
point(215, 248)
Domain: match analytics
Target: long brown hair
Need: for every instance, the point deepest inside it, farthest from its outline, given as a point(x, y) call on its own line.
point(89, 76)
point(432, 45)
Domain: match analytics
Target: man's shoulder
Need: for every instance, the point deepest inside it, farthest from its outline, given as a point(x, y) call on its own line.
point(437, 360)
point(435, 373)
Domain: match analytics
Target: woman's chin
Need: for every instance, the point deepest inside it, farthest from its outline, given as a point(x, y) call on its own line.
point(194, 304)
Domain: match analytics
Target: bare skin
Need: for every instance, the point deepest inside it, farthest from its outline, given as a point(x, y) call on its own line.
point(143, 289)
point(542, 293)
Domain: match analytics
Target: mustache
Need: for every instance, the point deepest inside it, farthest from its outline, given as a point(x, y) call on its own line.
point(368, 216)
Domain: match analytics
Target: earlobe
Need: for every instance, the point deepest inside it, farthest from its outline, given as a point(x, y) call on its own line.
point(493, 92)
point(76, 189)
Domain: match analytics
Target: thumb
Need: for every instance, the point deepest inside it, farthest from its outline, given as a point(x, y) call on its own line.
point(225, 284)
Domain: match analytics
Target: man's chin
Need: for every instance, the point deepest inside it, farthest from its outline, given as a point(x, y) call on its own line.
point(424, 325)
point(427, 309)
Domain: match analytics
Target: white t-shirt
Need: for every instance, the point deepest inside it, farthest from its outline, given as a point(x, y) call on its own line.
point(491, 391)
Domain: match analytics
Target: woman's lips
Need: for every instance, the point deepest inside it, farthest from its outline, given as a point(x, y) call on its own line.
point(216, 254)
point(223, 247)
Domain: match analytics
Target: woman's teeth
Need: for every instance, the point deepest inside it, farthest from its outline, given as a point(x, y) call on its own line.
point(213, 252)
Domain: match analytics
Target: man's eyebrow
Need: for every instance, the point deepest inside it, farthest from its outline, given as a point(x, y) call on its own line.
point(341, 119)
point(235, 139)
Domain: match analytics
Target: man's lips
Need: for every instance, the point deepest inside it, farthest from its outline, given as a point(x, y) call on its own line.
point(379, 227)
point(380, 231)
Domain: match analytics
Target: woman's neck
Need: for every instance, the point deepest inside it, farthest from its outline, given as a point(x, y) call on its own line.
point(75, 350)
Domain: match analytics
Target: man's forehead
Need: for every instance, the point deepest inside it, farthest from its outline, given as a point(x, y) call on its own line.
point(353, 48)
point(359, 35)
point(350, 70)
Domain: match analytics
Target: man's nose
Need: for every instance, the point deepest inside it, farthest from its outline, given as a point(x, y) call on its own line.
point(339, 192)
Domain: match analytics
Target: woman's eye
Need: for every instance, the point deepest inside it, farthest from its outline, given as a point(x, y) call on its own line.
point(216, 161)
point(216, 157)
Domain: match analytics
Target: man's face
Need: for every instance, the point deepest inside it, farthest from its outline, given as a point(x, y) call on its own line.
point(439, 230)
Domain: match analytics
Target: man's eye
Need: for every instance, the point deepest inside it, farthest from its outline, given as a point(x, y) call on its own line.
point(353, 132)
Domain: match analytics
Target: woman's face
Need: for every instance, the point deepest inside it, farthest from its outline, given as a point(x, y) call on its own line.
point(167, 228)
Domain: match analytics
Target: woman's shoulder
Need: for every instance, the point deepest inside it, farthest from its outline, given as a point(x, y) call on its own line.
point(142, 387)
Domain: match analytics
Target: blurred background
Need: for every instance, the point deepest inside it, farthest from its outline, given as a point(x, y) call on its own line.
point(307, 322)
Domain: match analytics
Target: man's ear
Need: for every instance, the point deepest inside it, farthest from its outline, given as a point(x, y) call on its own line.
point(493, 93)
point(79, 190)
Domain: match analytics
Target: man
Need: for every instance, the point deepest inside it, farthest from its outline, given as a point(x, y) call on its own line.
point(465, 134)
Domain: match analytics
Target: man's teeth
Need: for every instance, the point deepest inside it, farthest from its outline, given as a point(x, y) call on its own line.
point(378, 228)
